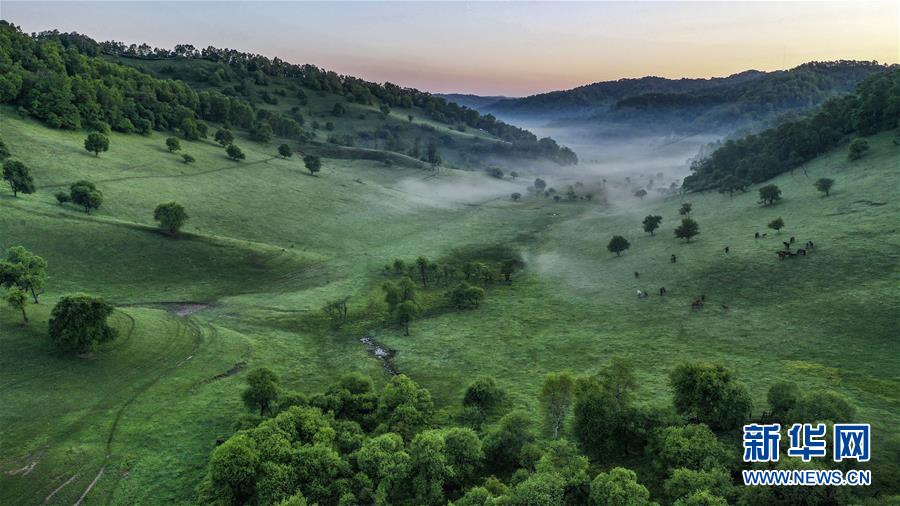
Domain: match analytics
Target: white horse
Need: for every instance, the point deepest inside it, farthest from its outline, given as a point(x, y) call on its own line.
point(642, 294)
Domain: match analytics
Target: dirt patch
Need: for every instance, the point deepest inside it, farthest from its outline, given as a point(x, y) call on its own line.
point(236, 368)
point(384, 354)
point(24, 470)
point(185, 308)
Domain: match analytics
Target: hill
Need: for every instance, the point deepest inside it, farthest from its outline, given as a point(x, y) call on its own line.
point(476, 102)
point(746, 99)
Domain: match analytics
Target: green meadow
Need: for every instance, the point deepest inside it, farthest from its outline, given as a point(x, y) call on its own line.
point(267, 245)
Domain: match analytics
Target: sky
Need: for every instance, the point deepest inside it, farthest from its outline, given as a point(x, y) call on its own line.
point(497, 48)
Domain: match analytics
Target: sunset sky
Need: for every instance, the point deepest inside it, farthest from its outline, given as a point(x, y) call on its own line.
point(508, 48)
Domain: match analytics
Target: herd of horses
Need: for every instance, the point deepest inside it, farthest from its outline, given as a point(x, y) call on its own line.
point(698, 303)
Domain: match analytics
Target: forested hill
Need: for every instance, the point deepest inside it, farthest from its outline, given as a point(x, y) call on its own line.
point(697, 104)
point(70, 81)
point(875, 107)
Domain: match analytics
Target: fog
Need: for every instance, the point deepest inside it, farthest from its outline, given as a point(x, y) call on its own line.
point(466, 189)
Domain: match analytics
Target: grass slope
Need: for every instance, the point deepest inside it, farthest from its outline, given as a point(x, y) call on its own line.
point(268, 245)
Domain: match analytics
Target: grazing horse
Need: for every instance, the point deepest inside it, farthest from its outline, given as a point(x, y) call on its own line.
point(801, 251)
point(727, 249)
point(637, 274)
point(674, 259)
point(764, 235)
point(663, 291)
point(787, 245)
point(756, 236)
point(697, 305)
point(642, 294)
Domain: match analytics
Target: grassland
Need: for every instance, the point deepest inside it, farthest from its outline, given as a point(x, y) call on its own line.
point(267, 245)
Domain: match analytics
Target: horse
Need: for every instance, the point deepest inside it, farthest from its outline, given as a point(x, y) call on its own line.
point(787, 245)
point(697, 305)
point(792, 239)
point(642, 294)
point(727, 249)
point(756, 236)
point(637, 274)
point(674, 259)
point(801, 251)
point(663, 291)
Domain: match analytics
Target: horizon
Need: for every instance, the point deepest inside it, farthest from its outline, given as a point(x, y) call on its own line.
point(566, 47)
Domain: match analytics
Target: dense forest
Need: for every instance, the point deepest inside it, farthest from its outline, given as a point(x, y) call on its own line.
point(64, 80)
point(747, 98)
point(875, 107)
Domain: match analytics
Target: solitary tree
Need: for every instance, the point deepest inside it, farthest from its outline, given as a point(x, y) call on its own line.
point(618, 244)
point(769, 194)
point(313, 164)
point(285, 151)
point(777, 224)
point(187, 159)
point(262, 390)
point(17, 299)
point(86, 195)
point(539, 185)
point(824, 185)
point(514, 175)
point(224, 137)
point(18, 176)
point(234, 152)
point(516, 196)
point(96, 143)
point(432, 156)
point(857, 149)
point(651, 223)
point(685, 209)
point(173, 144)
point(641, 193)
point(24, 270)
point(687, 230)
point(78, 323)
point(171, 216)
point(405, 312)
point(509, 266)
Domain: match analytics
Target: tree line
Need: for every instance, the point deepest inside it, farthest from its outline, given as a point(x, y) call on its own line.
point(875, 107)
point(356, 444)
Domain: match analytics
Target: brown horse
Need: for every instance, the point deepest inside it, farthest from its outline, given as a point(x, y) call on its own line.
point(697, 305)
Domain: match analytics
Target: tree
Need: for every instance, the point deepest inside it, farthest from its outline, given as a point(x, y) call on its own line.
point(78, 323)
point(262, 390)
point(173, 144)
point(465, 296)
point(782, 398)
point(641, 193)
point(234, 466)
point(687, 230)
point(24, 270)
point(285, 151)
point(685, 483)
point(539, 185)
point(187, 159)
point(556, 401)
point(619, 487)
point(4, 151)
point(651, 223)
point(432, 156)
point(509, 266)
point(496, 172)
point(313, 164)
point(709, 394)
point(18, 176)
point(171, 216)
point(776, 224)
point(857, 149)
point(731, 183)
point(516, 196)
point(404, 313)
point(824, 185)
point(234, 153)
point(96, 143)
point(769, 194)
point(224, 137)
point(86, 195)
point(336, 311)
point(685, 209)
point(17, 300)
point(62, 197)
point(484, 394)
point(618, 244)
point(690, 447)
point(514, 175)
point(503, 446)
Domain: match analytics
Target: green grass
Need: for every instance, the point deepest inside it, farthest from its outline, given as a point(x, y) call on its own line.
point(267, 245)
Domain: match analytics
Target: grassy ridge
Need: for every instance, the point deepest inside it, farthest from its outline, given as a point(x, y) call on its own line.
point(268, 245)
